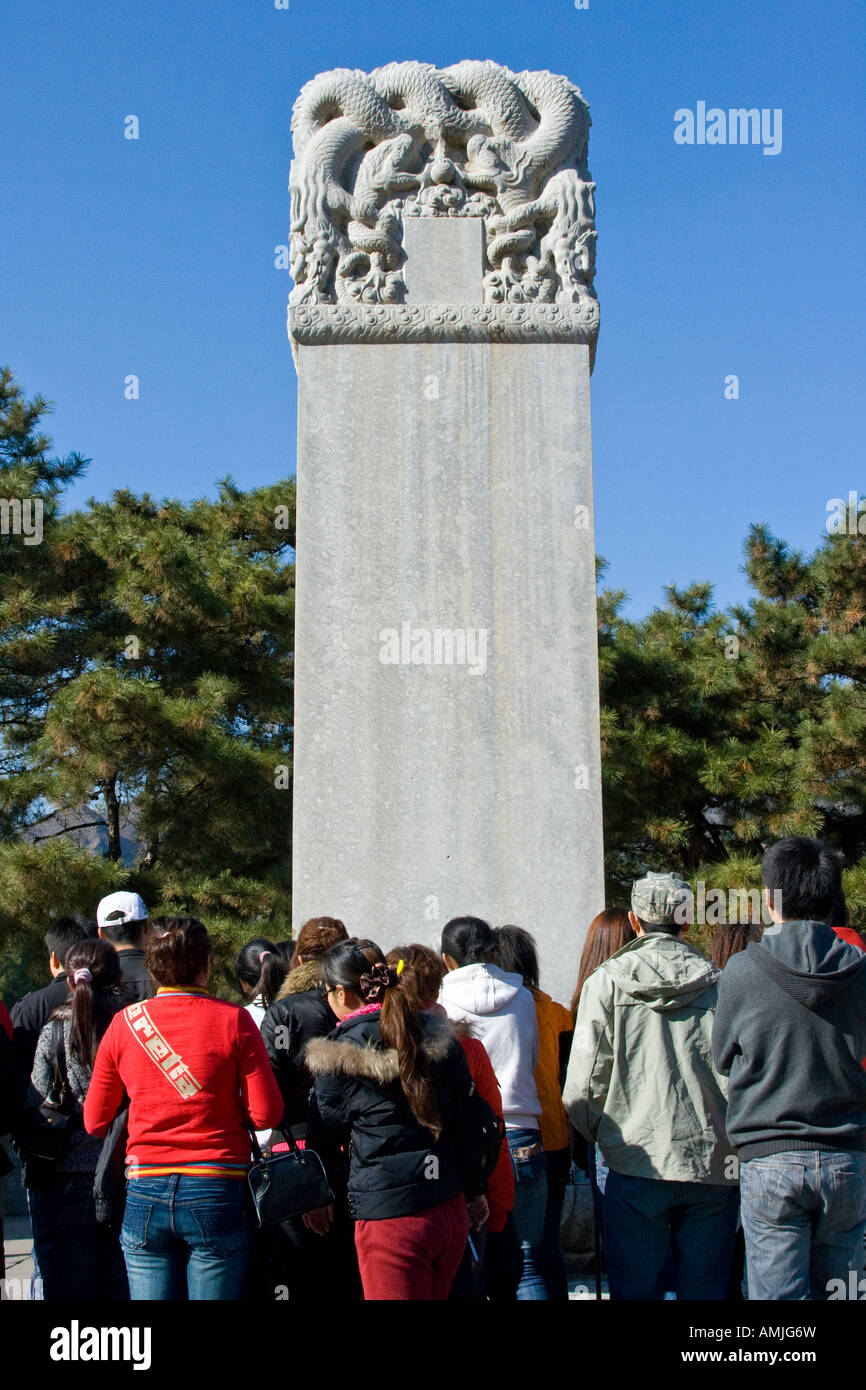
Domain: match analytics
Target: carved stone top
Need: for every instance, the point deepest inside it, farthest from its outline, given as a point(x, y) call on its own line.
point(410, 140)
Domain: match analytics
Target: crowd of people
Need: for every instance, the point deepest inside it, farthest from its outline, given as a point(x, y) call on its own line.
point(717, 1106)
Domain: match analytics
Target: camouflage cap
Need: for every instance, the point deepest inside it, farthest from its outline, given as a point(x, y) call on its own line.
point(661, 900)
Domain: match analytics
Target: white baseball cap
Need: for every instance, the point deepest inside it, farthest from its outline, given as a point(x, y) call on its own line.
point(118, 908)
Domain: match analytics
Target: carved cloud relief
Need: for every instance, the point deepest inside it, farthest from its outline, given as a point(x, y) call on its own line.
point(472, 140)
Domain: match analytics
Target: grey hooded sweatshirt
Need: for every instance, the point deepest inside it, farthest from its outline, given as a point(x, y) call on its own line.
point(790, 1031)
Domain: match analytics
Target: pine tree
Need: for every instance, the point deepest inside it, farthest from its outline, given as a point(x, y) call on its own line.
point(146, 664)
point(47, 597)
point(668, 695)
point(723, 732)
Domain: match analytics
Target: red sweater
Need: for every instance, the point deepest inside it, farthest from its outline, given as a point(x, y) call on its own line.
point(851, 936)
point(194, 1068)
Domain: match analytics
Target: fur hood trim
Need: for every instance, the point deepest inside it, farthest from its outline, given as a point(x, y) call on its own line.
point(462, 1028)
point(303, 978)
point(344, 1057)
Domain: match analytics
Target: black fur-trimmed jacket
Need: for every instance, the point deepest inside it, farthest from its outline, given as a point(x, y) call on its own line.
point(298, 1014)
point(396, 1168)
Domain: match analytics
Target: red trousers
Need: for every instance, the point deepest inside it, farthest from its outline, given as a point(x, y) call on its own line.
point(413, 1257)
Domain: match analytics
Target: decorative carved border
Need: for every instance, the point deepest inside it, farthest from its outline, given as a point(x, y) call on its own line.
point(316, 324)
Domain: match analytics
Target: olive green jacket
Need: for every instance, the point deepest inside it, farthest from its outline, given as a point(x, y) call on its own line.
point(641, 1081)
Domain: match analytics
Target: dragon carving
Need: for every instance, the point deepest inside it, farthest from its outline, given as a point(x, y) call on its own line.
point(411, 140)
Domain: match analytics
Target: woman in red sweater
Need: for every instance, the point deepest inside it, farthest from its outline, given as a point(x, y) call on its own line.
point(196, 1073)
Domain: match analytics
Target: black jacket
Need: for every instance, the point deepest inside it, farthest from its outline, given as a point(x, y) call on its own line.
point(138, 983)
point(298, 1014)
point(396, 1167)
point(12, 1093)
point(29, 1016)
point(790, 1030)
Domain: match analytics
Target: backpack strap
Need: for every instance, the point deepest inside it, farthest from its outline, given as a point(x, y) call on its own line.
point(62, 1088)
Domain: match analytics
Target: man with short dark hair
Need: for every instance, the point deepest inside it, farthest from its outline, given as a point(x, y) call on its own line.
point(35, 1009)
point(790, 1031)
point(642, 1086)
point(121, 919)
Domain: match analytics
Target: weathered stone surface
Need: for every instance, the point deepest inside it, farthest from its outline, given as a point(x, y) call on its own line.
point(443, 323)
point(438, 485)
point(444, 260)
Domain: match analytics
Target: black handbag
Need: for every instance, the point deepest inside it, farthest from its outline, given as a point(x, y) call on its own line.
point(287, 1184)
point(46, 1129)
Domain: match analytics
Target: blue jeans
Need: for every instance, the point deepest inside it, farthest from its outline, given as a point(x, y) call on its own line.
point(804, 1215)
point(530, 1205)
point(187, 1238)
point(654, 1229)
point(36, 1291)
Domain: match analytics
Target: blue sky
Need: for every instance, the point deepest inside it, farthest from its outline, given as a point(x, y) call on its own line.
point(156, 256)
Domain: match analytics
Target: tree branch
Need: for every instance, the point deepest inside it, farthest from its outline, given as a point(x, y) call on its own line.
point(37, 839)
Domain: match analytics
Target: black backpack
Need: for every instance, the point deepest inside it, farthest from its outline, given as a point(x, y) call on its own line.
point(44, 1131)
point(487, 1133)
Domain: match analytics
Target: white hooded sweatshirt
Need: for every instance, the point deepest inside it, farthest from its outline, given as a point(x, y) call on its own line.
point(501, 1013)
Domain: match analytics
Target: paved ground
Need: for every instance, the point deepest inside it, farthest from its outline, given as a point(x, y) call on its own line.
point(18, 1245)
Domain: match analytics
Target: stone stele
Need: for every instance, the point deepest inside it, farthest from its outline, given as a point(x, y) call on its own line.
point(443, 321)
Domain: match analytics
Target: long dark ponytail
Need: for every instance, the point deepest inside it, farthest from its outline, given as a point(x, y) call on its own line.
point(361, 967)
point(93, 971)
point(262, 969)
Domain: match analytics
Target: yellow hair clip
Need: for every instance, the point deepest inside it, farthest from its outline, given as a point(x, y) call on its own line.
point(399, 966)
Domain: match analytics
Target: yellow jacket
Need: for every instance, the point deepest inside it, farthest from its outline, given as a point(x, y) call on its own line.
point(555, 1025)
